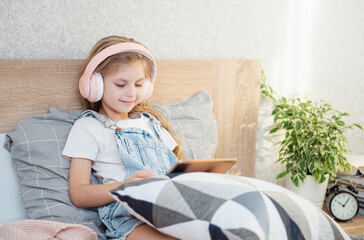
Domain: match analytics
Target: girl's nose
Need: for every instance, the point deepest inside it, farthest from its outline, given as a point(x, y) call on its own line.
point(130, 91)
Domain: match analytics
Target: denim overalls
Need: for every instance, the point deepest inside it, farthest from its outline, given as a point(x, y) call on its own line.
point(138, 150)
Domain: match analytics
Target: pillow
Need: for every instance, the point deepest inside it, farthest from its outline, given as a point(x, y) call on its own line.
point(219, 206)
point(36, 144)
point(194, 124)
point(11, 203)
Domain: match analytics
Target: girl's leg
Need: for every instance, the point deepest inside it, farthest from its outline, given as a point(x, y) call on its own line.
point(147, 232)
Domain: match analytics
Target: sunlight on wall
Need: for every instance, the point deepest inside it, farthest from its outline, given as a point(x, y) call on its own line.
point(297, 58)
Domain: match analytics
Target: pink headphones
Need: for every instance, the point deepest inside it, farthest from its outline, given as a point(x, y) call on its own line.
point(91, 83)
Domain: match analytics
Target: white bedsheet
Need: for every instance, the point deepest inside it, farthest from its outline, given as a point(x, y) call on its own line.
point(11, 203)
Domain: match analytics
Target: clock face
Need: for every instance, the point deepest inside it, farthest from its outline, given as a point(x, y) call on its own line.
point(344, 206)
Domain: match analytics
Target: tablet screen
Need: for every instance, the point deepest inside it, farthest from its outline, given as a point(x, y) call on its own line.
point(219, 165)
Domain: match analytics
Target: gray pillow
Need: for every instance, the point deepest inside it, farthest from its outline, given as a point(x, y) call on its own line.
point(194, 124)
point(36, 144)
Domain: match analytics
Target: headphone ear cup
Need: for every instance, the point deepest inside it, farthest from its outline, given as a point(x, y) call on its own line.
point(96, 87)
point(100, 86)
point(148, 90)
point(146, 87)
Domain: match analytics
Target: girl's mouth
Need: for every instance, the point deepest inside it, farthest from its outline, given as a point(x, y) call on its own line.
point(127, 102)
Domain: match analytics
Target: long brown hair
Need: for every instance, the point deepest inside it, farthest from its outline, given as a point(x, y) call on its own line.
point(115, 61)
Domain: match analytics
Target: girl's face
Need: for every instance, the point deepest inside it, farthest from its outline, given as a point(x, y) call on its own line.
point(123, 89)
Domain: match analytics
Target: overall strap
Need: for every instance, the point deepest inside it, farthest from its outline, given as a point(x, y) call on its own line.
point(156, 125)
point(101, 118)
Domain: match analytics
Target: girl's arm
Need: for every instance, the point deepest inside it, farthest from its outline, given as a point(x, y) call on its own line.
point(84, 194)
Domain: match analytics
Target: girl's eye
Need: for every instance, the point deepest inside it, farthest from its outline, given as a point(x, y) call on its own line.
point(119, 85)
point(139, 85)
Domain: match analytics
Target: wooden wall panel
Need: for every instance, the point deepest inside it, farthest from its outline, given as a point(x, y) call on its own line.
point(30, 86)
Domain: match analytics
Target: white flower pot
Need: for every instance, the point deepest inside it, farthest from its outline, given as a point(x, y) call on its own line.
point(310, 189)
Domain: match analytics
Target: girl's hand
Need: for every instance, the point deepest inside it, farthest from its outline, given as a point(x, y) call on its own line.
point(139, 175)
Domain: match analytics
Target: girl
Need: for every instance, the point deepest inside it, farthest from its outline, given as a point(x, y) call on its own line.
point(119, 137)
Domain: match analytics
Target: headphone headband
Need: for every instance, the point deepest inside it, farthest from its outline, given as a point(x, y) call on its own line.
point(88, 80)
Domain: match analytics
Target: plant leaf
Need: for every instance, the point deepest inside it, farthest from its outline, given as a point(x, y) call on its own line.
point(264, 93)
point(311, 167)
point(295, 180)
point(298, 126)
point(273, 130)
point(340, 123)
point(282, 174)
point(275, 111)
point(323, 178)
point(334, 150)
point(316, 176)
point(289, 112)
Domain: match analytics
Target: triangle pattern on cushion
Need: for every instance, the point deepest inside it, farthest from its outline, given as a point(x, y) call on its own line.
point(149, 191)
point(255, 203)
point(292, 209)
point(292, 229)
point(194, 229)
point(141, 207)
point(220, 190)
point(242, 233)
point(164, 217)
point(170, 197)
point(216, 233)
point(203, 205)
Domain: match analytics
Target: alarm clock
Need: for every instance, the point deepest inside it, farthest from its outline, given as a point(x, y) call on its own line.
point(343, 205)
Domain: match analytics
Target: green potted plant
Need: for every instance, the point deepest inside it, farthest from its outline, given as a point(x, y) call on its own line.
point(314, 142)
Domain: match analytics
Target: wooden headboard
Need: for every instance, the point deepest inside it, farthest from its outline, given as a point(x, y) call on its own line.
point(30, 86)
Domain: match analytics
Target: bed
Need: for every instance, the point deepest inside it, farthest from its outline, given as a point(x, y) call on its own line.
point(220, 98)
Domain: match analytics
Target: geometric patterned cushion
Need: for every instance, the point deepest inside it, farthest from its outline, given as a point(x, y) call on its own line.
point(220, 206)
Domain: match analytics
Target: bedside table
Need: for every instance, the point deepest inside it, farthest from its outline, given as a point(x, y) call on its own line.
point(354, 227)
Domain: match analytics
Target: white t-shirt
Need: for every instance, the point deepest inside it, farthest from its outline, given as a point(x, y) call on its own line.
point(90, 139)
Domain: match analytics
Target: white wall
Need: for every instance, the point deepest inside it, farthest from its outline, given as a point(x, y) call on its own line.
point(307, 46)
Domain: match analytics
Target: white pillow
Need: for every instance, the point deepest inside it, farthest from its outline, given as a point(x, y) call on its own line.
point(199, 205)
point(11, 203)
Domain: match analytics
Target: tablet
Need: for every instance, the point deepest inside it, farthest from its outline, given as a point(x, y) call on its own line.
point(218, 165)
